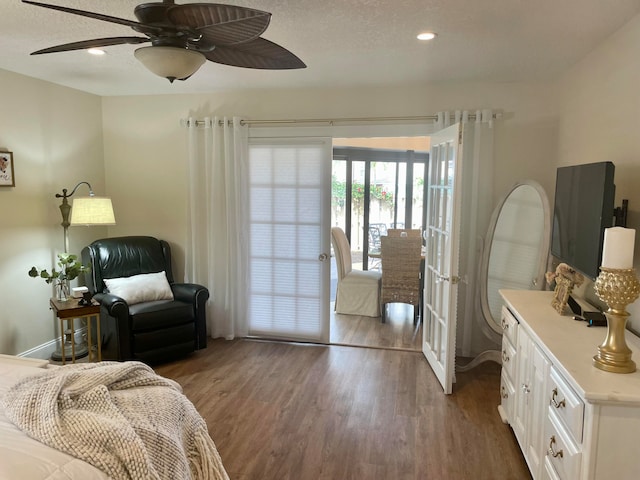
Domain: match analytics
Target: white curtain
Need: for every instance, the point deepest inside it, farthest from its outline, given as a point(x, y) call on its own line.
point(477, 201)
point(217, 249)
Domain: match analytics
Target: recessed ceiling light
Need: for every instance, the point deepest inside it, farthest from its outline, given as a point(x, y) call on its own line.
point(96, 51)
point(426, 36)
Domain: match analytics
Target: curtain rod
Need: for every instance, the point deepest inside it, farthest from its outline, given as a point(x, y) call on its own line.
point(331, 121)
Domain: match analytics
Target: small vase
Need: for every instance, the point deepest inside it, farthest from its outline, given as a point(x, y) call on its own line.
point(62, 290)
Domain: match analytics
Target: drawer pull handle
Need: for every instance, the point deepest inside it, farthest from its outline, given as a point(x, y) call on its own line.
point(505, 325)
point(505, 357)
point(554, 402)
point(504, 392)
point(551, 450)
point(525, 388)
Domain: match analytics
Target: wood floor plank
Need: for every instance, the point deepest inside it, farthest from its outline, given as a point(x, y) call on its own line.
point(281, 411)
point(398, 332)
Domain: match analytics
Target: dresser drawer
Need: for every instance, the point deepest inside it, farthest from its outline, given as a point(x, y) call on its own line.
point(566, 404)
point(507, 396)
point(508, 358)
point(548, 472)
point(562, 452)
point(509, 325)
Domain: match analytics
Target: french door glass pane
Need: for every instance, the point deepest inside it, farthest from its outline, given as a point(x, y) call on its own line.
point(357, 213)
point(382, 195)
point(401, 199)
point(417, 211)
point(338, 193)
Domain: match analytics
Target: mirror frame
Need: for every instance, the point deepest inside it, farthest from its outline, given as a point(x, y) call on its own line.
point(495, 328)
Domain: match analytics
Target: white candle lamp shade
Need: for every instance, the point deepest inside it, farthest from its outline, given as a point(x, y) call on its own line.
point(617, 251)
point(90, 211)
point(617, 286)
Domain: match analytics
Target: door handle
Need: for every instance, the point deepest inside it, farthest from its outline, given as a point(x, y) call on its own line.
point(322, 257)
point(454, 279)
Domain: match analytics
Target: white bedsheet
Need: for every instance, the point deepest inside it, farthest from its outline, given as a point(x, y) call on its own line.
point(21, 457)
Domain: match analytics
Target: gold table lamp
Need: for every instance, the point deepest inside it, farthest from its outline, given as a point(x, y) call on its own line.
point(617, 286)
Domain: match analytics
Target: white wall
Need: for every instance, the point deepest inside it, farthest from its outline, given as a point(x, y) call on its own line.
point(600, 113)
point(145, 147)
point(55, 135)
point(136, 147)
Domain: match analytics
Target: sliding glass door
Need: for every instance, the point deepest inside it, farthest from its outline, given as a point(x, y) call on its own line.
point(374, 190)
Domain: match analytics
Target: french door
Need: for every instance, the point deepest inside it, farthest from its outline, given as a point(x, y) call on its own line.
point(290, 185)
point(441, 262)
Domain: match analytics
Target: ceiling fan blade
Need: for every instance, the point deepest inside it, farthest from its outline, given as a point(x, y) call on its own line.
point(258, 53)
point(98, 42)
point(98, 16)
point(220, 24)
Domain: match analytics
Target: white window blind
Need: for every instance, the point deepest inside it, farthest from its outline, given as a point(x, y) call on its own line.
point(289, 204)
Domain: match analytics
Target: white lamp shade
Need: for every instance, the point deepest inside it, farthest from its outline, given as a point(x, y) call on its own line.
point(92, 211)
point(617, 251)
point(170, 62)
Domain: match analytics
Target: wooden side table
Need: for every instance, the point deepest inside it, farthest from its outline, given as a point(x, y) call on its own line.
point(71, 310)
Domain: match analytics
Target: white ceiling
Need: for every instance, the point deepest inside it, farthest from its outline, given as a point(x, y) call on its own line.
point(343, 42)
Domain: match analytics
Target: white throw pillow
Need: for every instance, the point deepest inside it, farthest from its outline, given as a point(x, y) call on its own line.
point(145, 287)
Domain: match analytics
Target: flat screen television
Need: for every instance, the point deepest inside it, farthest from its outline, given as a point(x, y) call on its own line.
point(584, 207)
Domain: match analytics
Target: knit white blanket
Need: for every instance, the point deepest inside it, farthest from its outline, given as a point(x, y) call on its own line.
point(122, 418)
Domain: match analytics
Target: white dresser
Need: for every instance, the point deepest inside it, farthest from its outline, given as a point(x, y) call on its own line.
point(572, 420)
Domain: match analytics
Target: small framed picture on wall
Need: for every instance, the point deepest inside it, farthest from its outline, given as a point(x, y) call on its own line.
point(7, 177)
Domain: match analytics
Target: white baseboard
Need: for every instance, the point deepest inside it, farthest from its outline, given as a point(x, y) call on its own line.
point(45, 350)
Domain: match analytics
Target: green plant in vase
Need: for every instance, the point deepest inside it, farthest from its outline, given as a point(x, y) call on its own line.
point(69, 269)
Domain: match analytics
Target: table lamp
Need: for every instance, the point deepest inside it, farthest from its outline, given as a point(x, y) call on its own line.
point(617, 286)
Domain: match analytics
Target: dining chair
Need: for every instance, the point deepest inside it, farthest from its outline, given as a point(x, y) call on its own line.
point(397, 232)
point(401, 263)
point(358, 291)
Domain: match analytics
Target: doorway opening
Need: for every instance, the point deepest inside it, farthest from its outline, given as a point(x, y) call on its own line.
point(377, 184)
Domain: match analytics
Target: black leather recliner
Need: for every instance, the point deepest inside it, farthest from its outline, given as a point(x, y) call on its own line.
point(153, 331)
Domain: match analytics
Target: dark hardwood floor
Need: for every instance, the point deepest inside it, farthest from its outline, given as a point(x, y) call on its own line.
point(281, 411)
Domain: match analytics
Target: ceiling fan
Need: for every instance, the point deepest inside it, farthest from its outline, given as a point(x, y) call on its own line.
point(184, 36)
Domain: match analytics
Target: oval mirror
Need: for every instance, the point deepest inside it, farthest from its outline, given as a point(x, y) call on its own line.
point(517, 249)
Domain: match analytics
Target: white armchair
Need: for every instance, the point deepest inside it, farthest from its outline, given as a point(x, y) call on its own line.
point(358, 290)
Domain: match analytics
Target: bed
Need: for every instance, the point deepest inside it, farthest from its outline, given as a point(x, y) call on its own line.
point(22, 456)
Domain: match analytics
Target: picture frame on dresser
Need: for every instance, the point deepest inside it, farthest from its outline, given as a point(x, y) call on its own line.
point(561, 295)
point(7, 175)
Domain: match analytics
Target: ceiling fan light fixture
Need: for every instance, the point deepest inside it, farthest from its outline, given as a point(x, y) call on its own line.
point(170, 62)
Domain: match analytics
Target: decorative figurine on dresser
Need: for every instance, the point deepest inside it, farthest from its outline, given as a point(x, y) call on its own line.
point(565, 279)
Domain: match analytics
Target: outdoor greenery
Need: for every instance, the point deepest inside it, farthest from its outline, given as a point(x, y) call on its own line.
point(338, 190)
